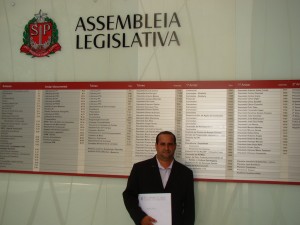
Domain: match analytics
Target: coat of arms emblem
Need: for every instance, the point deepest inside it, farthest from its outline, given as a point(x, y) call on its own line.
point(40, 36)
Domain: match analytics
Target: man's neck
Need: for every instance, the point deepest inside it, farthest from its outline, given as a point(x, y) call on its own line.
point(165, 164)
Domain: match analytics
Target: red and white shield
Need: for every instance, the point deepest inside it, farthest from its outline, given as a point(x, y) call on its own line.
point(40, 35)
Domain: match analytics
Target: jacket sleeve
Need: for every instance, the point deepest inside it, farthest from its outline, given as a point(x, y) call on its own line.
point(130, 197)
point(189, 205)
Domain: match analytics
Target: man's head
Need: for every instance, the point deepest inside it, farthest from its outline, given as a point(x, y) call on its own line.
point(165, 146)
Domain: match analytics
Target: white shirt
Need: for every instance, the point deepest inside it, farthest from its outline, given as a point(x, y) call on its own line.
point(164, 172)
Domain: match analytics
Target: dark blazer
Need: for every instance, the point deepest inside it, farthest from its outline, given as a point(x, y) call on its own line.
point(145, 178)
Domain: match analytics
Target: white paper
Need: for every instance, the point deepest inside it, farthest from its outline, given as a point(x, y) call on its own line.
point(157, 206)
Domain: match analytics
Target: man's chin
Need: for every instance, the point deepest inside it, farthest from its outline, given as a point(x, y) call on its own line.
point(168, 157)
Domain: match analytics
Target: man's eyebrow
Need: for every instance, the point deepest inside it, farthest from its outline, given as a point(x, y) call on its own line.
point(166, 143)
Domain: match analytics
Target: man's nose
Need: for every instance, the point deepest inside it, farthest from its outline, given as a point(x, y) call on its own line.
point(168, 147)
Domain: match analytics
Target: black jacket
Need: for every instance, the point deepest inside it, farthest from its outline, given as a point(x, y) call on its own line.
point(145, 178)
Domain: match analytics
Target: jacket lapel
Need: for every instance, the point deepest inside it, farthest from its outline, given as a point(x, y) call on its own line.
point(156, 178)
point(171, 177)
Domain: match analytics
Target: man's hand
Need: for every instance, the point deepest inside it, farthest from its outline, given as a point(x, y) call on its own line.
point(148, 220)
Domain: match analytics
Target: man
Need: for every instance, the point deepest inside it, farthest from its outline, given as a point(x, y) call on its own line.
point(162, 174)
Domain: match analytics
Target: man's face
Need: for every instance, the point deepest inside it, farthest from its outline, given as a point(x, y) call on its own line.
point(165, 147)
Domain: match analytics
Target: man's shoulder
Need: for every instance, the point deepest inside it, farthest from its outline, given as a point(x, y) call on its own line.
point(149, 162)
point(181, 166)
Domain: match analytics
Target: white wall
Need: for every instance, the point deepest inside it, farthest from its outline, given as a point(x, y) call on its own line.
point(220, 40)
